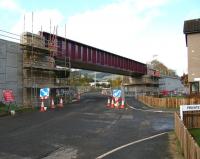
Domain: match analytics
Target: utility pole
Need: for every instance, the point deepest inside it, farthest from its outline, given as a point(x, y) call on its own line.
point(95, 79)
point(112, 82)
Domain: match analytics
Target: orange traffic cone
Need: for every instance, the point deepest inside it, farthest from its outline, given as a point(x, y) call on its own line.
point(116, 102)
point(52, 106)
point(78, 96)
point(108, 104)
point(122, 105)
point(61, 103)
point(112, 104)
point(42, 109)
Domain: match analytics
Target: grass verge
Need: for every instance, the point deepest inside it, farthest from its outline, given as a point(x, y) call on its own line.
point(174, 146)
point(5, 109)
point(195, 132)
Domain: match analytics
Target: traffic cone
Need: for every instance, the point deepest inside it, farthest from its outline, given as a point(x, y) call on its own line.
point(116, 102)
point(112, 104)
point(52, 106)
point(42, 109)
point(61, 103)
point(122, 105)
point(78, 96)
point(108, 104)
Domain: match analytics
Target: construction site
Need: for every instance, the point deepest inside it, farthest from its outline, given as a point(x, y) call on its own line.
point(44, 60)
point(30, 65)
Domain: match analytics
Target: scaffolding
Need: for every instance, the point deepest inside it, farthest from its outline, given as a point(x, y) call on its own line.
point(42, 68)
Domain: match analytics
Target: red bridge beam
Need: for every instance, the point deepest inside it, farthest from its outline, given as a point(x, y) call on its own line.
point(87, 57)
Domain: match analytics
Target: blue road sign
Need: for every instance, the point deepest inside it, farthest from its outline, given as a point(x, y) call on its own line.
point(117, 93)
point(44, 92)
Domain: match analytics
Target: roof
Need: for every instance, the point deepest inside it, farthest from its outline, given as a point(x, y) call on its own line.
point(191, 26)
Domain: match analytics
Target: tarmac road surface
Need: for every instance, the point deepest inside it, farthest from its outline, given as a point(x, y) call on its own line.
point(87, 130)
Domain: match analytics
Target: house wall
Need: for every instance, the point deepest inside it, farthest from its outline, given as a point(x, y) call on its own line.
point(193, 41)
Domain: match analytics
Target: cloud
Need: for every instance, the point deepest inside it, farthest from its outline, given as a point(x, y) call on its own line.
point(142, 5)
point(117, 22)
point(194, 14)
point(126, 27)
point(123, 28)
point(9, 5)
point(41, 20)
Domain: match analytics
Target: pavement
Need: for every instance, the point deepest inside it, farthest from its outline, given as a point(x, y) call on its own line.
point(88, 130)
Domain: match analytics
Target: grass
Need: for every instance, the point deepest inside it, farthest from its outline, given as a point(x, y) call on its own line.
point(174, 146)
point(196, 134)
point(5, 109)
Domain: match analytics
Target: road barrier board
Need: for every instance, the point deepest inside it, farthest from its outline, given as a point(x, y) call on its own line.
point(8, 95)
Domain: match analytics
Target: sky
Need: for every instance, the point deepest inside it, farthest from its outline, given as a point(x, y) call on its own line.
point(142, 30)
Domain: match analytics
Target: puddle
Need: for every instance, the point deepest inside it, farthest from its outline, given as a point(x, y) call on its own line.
point(128, 117)
point(163, 125)
point(63, 153)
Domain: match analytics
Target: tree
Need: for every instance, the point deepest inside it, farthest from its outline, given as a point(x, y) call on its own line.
point(116, 83)
point(184, 79)
point(78, 79)
point(162, 68)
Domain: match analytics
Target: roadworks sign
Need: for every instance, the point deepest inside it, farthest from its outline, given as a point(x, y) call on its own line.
point(117, 93)
point(44, 93)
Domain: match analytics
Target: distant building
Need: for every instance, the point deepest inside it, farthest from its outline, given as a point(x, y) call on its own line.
point(192, 37)
point(153, 84)
point(143, 85)
point(99, 83)
point(171, 84)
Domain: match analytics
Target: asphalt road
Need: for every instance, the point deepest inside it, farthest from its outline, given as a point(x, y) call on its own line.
point(87, 130)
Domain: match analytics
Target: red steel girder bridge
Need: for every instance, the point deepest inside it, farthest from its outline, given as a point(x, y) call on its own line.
point(83, 56)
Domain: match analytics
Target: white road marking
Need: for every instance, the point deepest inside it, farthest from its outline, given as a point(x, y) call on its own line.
point(129, 144)
point(146, 110)
point(150, 110)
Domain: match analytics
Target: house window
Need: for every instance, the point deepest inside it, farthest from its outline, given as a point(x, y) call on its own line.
point(194, 87)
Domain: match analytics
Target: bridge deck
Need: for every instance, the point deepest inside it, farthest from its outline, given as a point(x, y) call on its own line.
point(87, 57)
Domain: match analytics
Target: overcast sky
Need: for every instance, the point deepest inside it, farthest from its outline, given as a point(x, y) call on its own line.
point(138, 29)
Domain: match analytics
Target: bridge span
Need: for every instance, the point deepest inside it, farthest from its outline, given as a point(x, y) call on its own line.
point(83, 56)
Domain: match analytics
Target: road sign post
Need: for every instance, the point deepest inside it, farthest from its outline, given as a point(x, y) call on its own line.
point(117, 93)
point(44, 93)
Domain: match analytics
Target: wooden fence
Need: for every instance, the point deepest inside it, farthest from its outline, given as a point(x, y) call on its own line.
point(191, 119)
point(167, 102)
point(189, 146)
